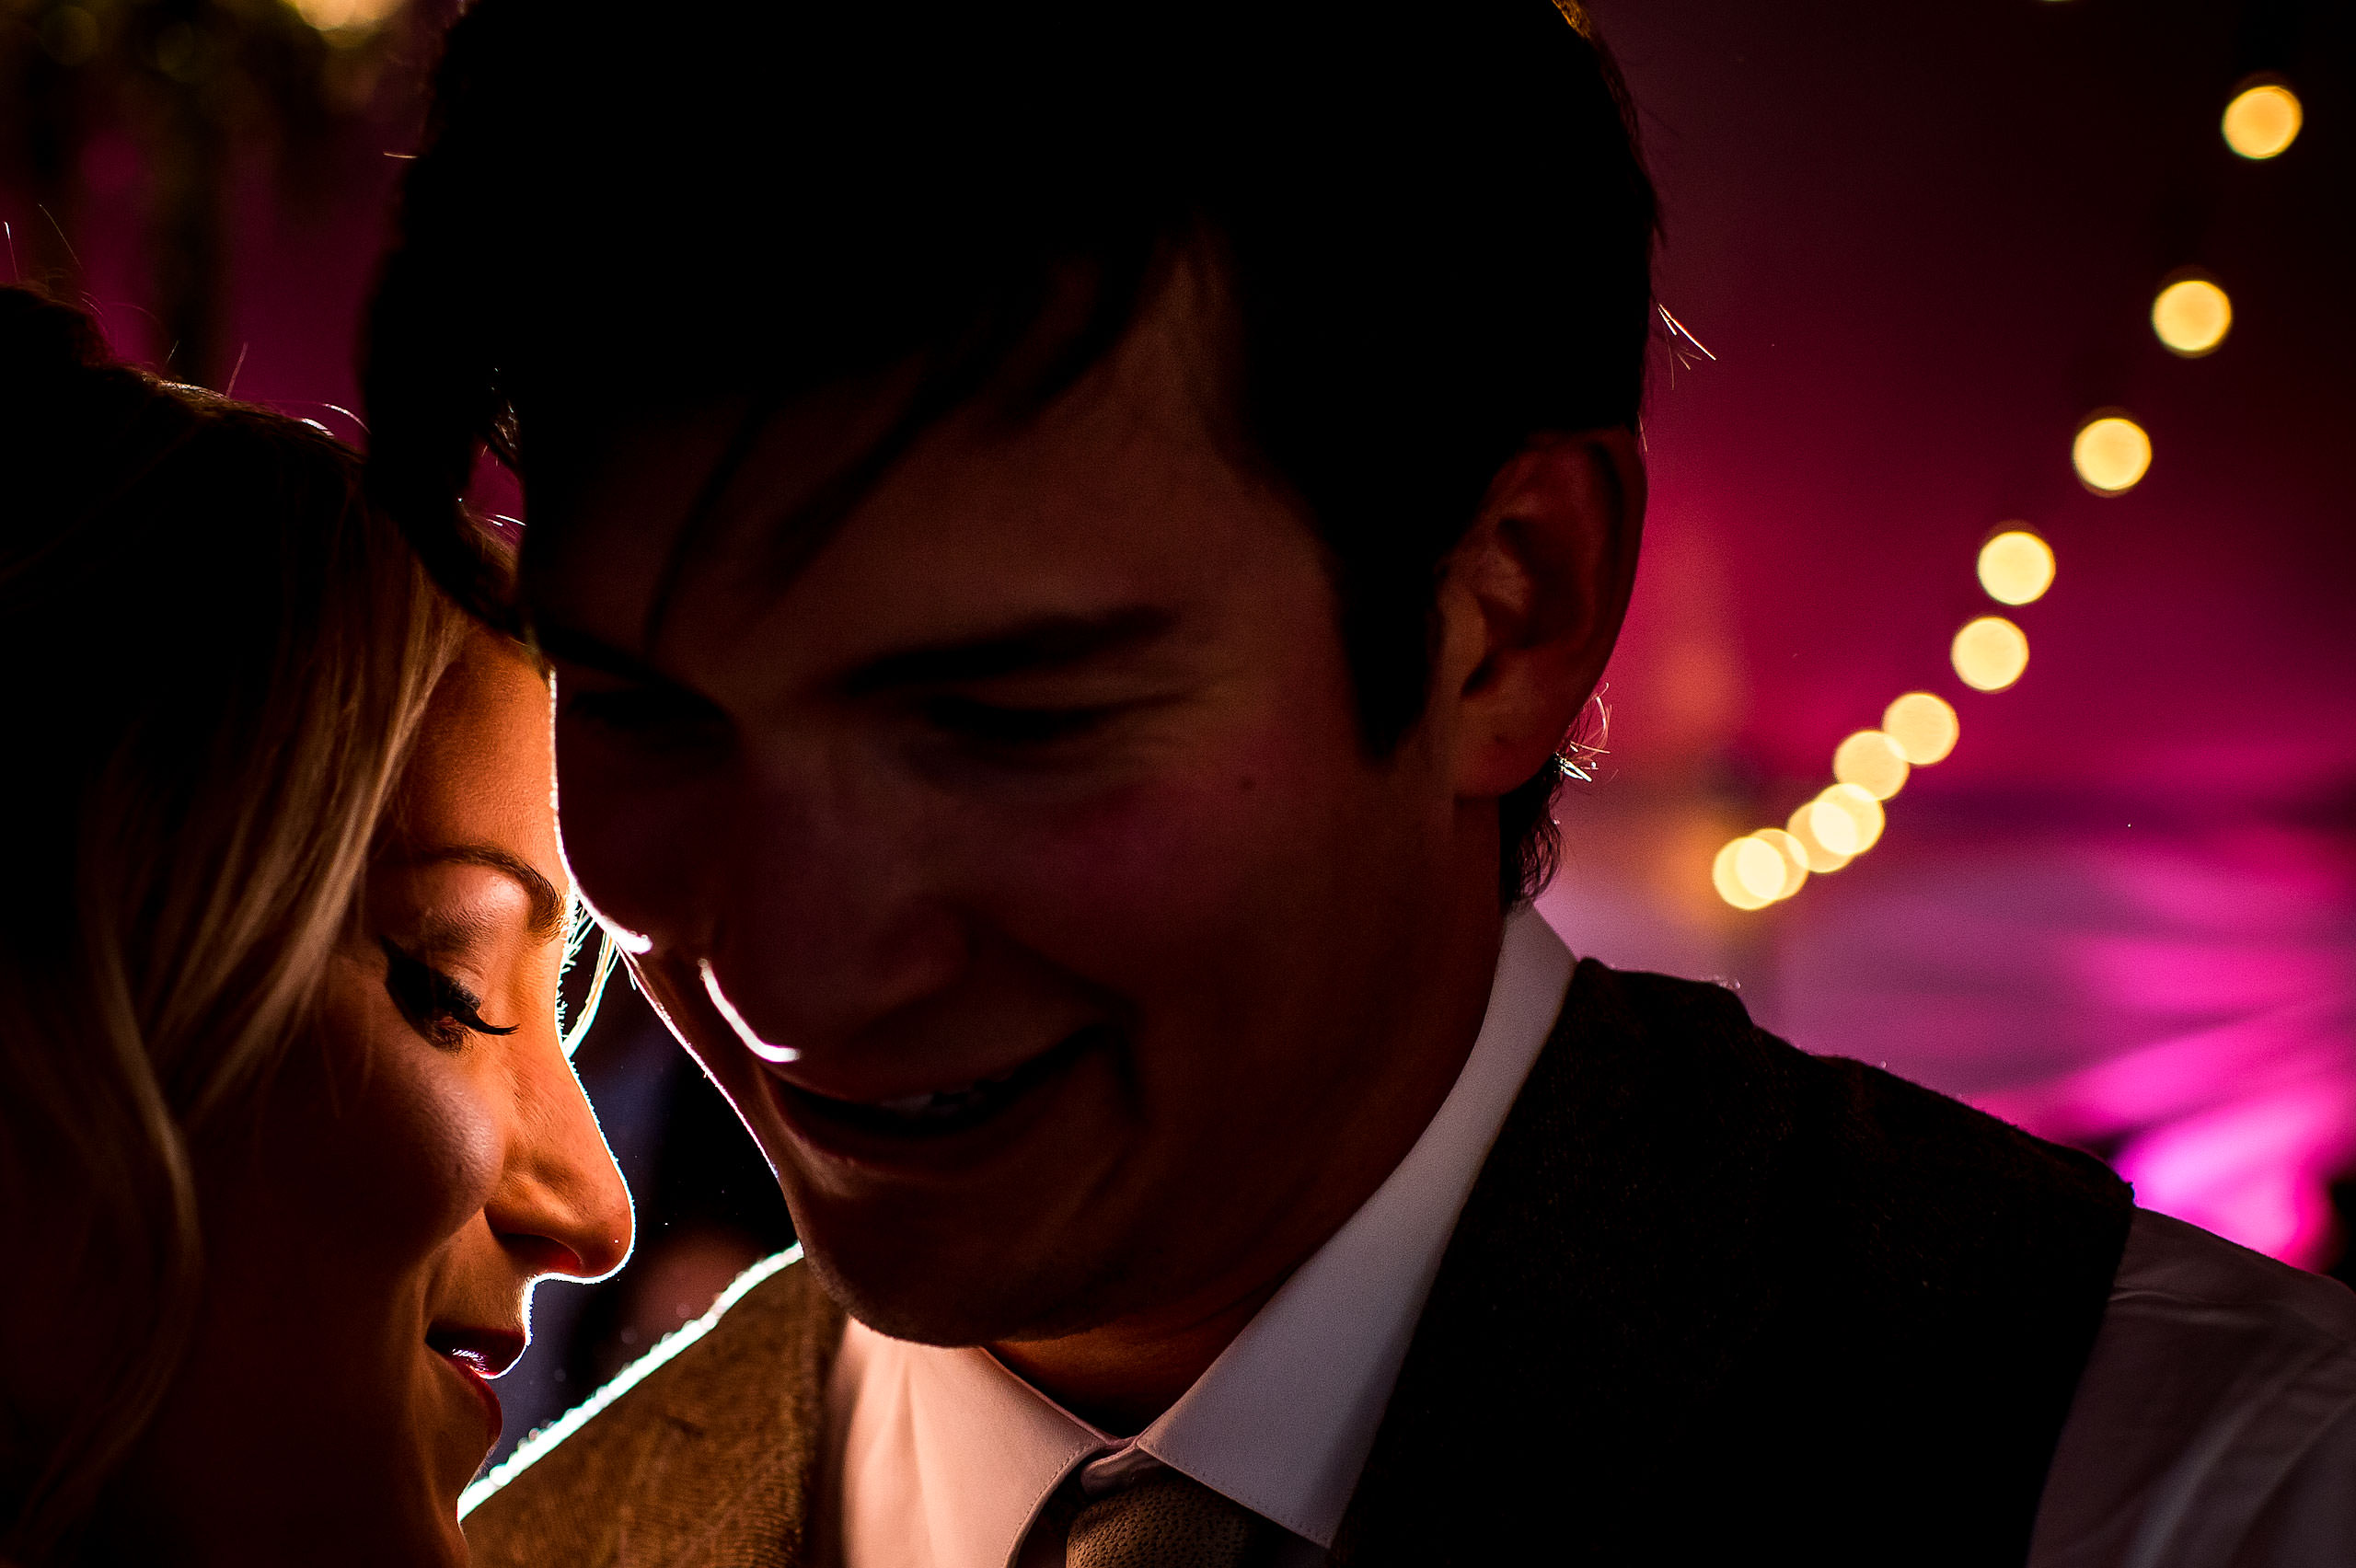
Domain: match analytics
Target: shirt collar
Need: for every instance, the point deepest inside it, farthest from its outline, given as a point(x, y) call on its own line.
point(946, 1456)
point(1283, 1421)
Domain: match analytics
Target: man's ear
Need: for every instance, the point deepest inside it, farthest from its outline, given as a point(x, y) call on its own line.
point(1532, 601)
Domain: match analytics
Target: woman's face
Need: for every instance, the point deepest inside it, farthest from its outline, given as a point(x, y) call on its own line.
point(416, 1166)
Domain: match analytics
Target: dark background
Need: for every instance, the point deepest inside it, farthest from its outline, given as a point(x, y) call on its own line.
point(1921, 244)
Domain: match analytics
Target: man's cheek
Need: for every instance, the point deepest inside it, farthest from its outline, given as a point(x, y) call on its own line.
point(633, 848)
point(1163, 856)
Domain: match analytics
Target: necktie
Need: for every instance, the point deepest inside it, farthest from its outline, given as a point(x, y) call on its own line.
point(1168, 1520)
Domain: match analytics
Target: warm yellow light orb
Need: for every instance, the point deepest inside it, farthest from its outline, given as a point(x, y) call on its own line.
point(1795, 856)
point(1923, 726)
point(1871, 761)
point(2111, 454)
point(1861, 812)
point(1830, 826)
point(1743, 868)
point(1820, 857)
point(2192, 317)
point(2016, 567)
point(2263, 121)
point(1759, 867)
point(337, 16)
point(1990, 654)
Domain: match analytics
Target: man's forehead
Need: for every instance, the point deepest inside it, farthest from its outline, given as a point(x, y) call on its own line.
point(725, 506)
point(616, 496)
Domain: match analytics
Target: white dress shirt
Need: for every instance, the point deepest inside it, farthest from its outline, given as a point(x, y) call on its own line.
point(2215, 1426)
point(2215, 1423)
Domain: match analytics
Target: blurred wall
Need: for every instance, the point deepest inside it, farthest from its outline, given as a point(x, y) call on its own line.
point(1921, 244)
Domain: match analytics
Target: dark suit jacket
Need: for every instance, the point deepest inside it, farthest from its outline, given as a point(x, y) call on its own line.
point(1712, 1301)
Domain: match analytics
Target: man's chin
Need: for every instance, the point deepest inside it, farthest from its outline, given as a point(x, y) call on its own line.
point(966, 1296)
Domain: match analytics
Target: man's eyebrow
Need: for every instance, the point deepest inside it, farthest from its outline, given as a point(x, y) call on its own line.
point(548, 904)
point(1048, 643)
point(596, 653)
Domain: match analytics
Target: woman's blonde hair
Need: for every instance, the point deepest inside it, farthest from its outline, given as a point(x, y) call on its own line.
point(218, 658)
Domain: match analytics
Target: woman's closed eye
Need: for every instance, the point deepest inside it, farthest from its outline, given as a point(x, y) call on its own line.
point(437, 1007)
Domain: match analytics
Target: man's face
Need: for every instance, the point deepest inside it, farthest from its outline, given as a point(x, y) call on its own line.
point(1013, 862)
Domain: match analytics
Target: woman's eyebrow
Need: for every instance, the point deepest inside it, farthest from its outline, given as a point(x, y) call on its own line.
point(548, 904)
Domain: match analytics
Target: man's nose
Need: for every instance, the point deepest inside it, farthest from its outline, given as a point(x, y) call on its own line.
point(561, 1204)
point(828, 917)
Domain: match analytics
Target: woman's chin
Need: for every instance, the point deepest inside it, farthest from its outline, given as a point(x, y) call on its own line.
point(466, 1424)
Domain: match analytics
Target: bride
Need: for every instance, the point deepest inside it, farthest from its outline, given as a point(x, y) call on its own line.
point(287, 1126)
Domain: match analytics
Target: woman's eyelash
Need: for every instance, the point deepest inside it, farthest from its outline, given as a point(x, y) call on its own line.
point(435, 1006)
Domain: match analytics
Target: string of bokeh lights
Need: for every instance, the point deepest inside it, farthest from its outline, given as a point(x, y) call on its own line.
point(2111, 453)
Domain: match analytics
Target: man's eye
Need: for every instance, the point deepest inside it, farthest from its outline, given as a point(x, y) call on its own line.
point(1013, 728)
point(435, 1006)
point(647, 711)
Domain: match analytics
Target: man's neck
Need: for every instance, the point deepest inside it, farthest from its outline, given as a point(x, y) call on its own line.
point(1123, 1374)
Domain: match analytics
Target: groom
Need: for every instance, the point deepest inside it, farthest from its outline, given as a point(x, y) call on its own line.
point(1070, 537)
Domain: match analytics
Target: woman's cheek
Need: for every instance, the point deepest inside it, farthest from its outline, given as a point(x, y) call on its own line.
point(447, 1135)
point(410, 1144)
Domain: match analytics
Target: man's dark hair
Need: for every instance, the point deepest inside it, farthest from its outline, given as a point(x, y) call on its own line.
point(1431, 221)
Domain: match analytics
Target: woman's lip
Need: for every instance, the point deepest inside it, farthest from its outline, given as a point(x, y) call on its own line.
point(478, 1384)
point(477, 1356)
point(861, 1135)
point(489, 1352)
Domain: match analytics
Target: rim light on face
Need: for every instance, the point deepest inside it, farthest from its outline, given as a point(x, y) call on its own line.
point(753, 1042)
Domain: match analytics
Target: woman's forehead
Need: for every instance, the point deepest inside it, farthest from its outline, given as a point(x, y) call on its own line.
point(480, 786)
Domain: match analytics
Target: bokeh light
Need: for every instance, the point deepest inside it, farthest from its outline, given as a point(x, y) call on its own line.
point(1847, 820)
point(71, 34)
point(2192, 317)
point(345, 17)
point(1873, 762)
point(1818, 855)
point(2263, 121)
point(1923, 726)
point(2111, 454)
point(2016, 567)
point(1990, 654)
point(1830, 826)
point(1795, 856)
point(1748, 874)
point(1759, 869)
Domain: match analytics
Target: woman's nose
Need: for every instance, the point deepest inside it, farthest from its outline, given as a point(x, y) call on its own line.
point(561, 1204)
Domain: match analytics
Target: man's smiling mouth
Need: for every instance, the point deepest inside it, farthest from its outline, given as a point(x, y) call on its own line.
point(944, 1112)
